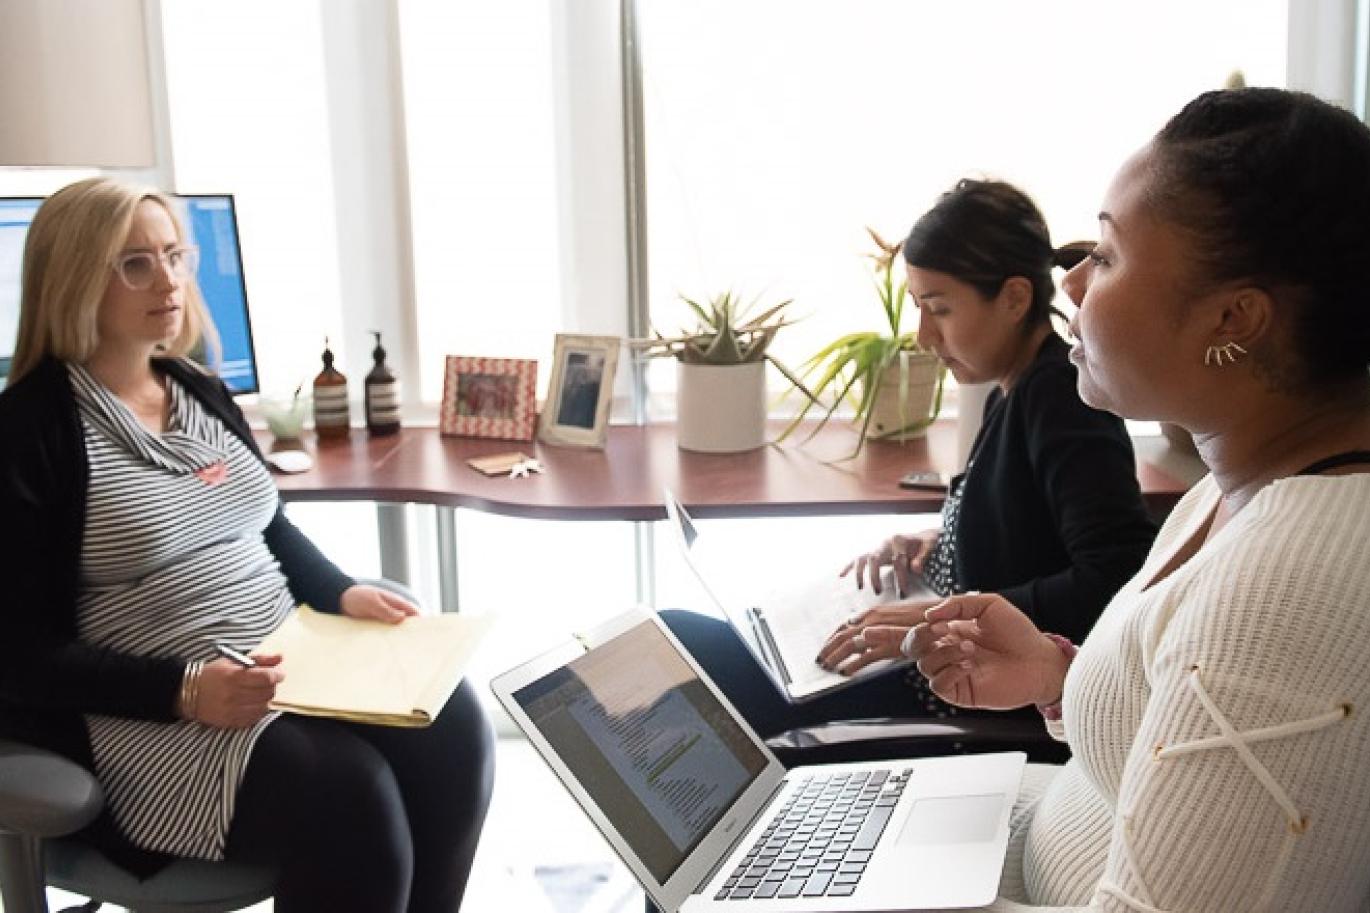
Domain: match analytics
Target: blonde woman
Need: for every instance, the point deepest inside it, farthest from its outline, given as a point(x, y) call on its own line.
point(140, 531)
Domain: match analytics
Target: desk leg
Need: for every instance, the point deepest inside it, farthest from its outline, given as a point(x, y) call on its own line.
point(446, 519)
point(394, 542)
point(644, 545)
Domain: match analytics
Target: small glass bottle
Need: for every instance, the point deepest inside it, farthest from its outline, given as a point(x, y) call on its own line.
point(382, 395)
point(331, 418)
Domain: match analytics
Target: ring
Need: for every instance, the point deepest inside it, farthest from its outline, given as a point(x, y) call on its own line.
point(906, 645)
point(859, 641)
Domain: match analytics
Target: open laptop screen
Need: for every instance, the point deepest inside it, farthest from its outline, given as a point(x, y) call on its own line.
point(648, 740)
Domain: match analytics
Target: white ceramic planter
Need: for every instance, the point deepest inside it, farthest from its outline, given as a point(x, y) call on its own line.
point(906, 395)
point(720, 408)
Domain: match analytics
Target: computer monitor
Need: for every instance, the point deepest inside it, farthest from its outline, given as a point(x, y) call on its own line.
point(212, 223)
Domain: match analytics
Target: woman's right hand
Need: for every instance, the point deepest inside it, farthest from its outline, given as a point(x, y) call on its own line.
point(980, 650)
point(905, 554)
point(234, 697)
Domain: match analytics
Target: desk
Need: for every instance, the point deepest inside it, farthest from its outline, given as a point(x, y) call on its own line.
point(625, 480)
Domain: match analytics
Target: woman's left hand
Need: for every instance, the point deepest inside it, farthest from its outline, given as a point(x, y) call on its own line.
point(842, 645)
point(365, 601)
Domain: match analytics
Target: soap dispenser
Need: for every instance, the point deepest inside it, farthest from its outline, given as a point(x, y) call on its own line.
point(331, 418)
point(382, 394)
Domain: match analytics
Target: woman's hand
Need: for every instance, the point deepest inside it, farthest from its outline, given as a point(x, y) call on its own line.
point(232, 697)
point(980, 650)
point(905, 554)
point(882, 629)
point(364, 601)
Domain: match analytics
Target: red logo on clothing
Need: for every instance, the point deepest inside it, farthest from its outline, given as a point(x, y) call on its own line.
point(213, 474)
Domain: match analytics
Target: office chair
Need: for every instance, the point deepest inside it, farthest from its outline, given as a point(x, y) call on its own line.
point(45, 798)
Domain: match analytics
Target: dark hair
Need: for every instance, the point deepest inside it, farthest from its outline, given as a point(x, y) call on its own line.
point(1273, 188)
point(984, 233)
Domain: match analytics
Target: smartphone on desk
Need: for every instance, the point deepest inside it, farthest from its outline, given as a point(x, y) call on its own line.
point(924, 479)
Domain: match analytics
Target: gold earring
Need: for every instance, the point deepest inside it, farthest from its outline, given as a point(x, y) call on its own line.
point(1216, 354)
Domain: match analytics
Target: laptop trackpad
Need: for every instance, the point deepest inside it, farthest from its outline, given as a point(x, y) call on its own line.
point(953, 819)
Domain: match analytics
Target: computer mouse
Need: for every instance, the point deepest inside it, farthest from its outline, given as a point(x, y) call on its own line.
point(290, 460)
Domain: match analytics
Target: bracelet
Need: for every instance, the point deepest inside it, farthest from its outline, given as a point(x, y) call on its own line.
point(1052, 711)
point(188, 700)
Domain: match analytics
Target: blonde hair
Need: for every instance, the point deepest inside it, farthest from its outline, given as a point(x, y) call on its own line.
point(71, 245)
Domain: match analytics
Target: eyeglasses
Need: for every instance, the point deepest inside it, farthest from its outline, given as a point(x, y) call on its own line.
point(140, 269)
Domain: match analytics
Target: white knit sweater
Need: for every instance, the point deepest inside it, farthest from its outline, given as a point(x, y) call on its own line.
point(1261, 638)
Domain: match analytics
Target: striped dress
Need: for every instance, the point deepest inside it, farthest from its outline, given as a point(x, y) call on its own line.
point(172, 562)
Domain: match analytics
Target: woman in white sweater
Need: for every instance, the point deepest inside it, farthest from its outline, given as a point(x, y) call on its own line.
point(1219, 712)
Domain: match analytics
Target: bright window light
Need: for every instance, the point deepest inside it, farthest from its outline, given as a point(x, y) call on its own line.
point(482, 167)
point(776, 130)
point(261, 133)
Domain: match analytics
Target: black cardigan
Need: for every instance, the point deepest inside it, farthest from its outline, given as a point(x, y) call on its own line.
point(1051, 513)
point(48, 678)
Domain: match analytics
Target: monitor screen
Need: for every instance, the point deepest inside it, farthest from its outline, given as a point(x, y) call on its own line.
point(213, 226)
point(15, 215)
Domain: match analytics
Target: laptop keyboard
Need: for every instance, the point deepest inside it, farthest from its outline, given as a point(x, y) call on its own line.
point(819, 842)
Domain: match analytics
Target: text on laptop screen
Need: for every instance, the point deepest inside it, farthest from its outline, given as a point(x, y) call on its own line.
point(212, 225)
point(648, 740)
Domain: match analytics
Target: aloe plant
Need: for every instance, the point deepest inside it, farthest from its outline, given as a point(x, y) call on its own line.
point(857, 361)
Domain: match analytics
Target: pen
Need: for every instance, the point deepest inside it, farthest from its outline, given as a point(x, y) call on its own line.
point(241, 659)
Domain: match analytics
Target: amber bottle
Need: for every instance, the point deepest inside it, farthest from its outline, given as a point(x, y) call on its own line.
point(331, 417)
point(382, 395)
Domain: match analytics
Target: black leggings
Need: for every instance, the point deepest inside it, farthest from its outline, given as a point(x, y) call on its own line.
point(367, 818)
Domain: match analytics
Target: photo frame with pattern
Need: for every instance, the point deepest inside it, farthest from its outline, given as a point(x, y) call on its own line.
point(489, 397)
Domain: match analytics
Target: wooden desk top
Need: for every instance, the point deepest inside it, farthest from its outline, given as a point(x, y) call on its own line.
point(625, 480)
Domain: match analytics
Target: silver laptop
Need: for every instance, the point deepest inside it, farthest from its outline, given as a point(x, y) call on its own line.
point(706, 818)
point(785, 627)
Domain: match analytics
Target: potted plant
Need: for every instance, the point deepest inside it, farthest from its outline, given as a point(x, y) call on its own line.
point(285, 417)
point(893, 384)
point(721, 372)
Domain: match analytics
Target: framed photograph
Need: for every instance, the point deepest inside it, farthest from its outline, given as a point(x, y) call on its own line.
point(576, 413)
point(489, 397)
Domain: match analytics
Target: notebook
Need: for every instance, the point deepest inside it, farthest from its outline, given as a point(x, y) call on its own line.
point(371, 671)
point(707, 819)
point(785, 627)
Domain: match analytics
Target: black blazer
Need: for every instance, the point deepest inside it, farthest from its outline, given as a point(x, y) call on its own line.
point(48, 678)
point(1051, 513)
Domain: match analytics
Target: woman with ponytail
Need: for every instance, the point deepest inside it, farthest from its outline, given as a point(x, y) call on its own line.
point(1048, 512)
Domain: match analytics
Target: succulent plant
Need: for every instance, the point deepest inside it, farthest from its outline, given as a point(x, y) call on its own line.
point(724, 333)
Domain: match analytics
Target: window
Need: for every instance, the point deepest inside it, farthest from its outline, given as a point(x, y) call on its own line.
point(483, 181)
point(777, 130)
point(261, 133)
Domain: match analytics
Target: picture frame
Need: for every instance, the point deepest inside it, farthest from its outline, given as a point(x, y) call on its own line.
point(580, 391)
point(489, 397)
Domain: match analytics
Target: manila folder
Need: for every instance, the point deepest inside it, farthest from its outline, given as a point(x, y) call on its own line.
point(371, 671)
